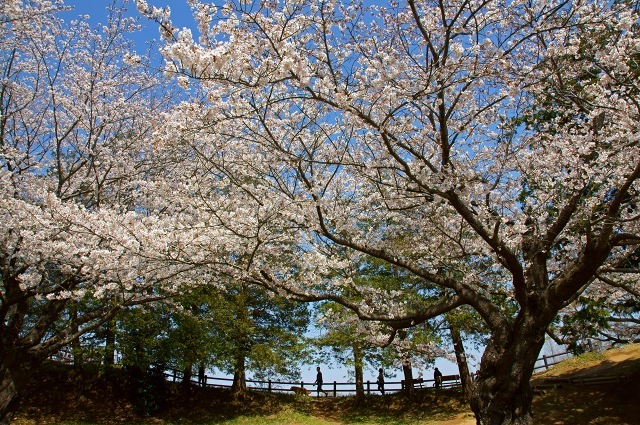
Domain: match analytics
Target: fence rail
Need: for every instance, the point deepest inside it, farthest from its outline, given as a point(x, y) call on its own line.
point(548, 361)
point(335, 388)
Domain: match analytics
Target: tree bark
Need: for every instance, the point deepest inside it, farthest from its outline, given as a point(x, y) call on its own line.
point(9, 395)
point(15, 371)
point(186, 376)
point(239, 385)
point(359, 375)
point(408, 378)
point(461, 358)
point(502, 394)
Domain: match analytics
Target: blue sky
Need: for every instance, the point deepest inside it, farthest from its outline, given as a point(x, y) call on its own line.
point(97, 11)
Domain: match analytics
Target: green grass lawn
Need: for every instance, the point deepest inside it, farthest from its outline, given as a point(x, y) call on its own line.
point(297, 418)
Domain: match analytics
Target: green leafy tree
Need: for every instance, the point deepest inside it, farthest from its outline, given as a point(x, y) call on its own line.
point(371, 345)
point(348, 343)
point(258, 332)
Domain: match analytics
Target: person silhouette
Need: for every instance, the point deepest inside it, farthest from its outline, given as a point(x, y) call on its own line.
point(319, 382)
point(437, 376)
point(201, 376)
point(380, 381)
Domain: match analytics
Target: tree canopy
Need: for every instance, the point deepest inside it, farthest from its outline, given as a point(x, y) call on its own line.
point(484, 151)
point(346, 131)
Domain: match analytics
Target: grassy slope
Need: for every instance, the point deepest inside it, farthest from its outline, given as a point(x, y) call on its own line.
point(98, 400)
point(610, 404)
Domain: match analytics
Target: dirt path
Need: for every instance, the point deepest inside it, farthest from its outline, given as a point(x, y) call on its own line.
point(461, 419)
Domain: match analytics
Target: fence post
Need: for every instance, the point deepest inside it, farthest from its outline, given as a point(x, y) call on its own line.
point(544, 359)
point(173, 371)
point(368, 388)
point(335, 389)
point(269, 385)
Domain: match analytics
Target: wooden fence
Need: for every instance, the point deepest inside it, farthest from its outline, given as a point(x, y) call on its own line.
point(333, 388)
point(344, 388)
point(581, 381)
point(547, 361)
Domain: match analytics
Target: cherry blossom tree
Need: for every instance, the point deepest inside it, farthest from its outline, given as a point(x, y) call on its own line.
point(76, 110)
point(605, 308)
point(341, 132)
point(605, 314)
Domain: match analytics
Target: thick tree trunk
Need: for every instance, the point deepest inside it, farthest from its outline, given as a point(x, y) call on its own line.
point(242, 344)
point(239, 385)
point(461, 358)
point(9, 395)
point(408, 378)
point(15, 372)
point(359, 375)
point(186, 375)
point(19, 357)
point(502, 394)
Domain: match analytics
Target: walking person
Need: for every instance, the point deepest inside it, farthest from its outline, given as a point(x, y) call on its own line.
point(319, 382)
point(437, 376)
point(380, 381)
point(201, 377)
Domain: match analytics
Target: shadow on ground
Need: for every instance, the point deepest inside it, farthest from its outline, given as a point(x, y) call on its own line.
point(612, 403)
point(59, 395)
